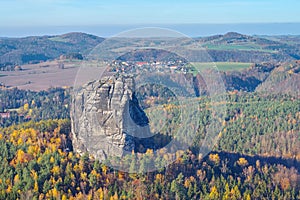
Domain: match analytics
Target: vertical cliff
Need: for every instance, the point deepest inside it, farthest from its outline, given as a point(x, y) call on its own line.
point(106, 117)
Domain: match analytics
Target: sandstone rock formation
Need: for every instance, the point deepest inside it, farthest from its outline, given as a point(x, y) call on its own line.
point(106, 117)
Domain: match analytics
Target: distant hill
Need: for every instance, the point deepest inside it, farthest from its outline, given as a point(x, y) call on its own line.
point(233, 47)
point(243, 48)
point(17, 51)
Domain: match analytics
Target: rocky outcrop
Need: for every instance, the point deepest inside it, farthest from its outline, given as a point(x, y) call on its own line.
point(106, 117)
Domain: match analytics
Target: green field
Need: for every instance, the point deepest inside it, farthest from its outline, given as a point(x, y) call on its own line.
point(244, 47)
point(222, 66)
point(58, 39)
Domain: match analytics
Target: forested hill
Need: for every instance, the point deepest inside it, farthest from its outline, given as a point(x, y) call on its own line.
point(244, 48)
point(16, 51)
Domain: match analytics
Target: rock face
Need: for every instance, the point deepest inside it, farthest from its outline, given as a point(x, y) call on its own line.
point(106, 117)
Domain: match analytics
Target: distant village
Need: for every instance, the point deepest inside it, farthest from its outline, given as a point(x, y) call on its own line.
point(150, 66)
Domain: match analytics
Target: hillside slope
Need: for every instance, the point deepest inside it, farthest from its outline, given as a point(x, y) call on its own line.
point(243, 48)
point(16, 51)
point(283, 79)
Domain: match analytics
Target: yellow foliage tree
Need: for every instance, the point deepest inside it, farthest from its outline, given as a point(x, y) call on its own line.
point(26, 107)
point(52, 159)
point(248, 197)
point(83, 176)
point(55, 193)
point(226, 195)
point(242, 162)
point(214, 194)
point(34, 175)
point(235, 193)
point(20, 157)
point(115, 197)
point(187, 183)
point(55, 170)
point(214, 158)
point(64, 197)
point(16, 179)
point(36, 186)
point(9, 189)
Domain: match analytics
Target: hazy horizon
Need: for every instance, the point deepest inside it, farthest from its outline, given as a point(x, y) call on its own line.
point(191, 30)
point(194, 18)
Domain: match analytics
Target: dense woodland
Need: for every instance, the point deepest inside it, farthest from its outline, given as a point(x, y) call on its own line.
point(36, 164)
point(24, 105)
point(257, 156)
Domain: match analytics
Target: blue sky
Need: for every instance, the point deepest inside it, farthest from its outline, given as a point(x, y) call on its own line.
point(39, 17)
point(93, 12)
